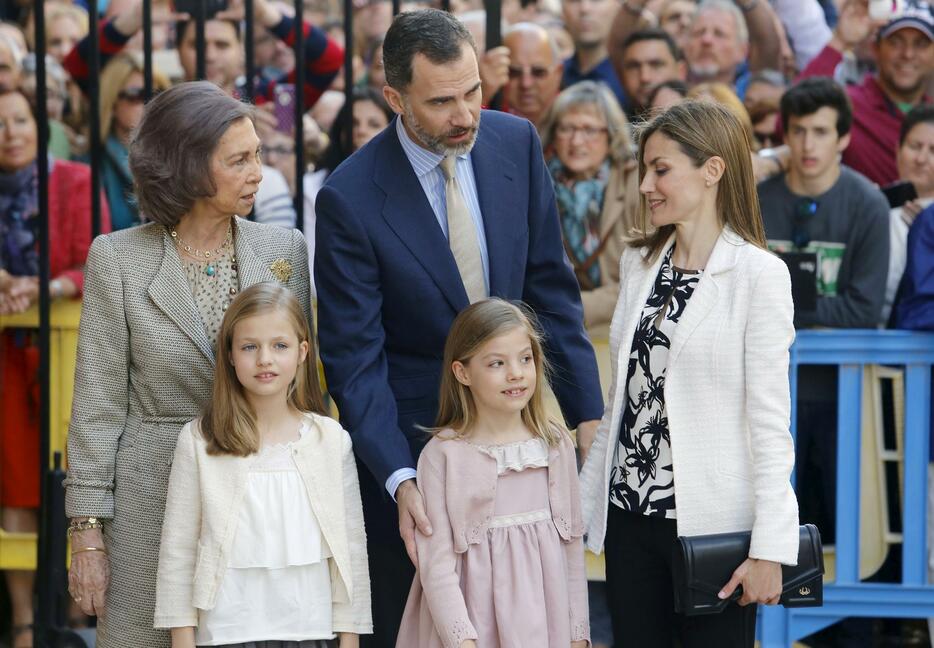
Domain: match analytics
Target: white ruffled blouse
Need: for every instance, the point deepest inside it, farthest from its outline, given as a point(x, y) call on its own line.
point(516, 457)
point(277, 585)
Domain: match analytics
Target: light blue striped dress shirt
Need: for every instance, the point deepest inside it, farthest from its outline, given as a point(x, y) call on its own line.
point(425, 164)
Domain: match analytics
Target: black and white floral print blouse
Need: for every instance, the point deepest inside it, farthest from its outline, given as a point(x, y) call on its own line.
point(642, 478)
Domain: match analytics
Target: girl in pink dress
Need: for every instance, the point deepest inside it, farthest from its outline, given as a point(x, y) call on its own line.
point(504, 566)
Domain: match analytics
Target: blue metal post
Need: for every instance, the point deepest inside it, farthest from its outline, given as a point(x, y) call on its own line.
point(917, 445)
point(849, 433)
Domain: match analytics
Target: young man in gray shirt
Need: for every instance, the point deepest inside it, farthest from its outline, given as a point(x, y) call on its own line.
point(832, 213)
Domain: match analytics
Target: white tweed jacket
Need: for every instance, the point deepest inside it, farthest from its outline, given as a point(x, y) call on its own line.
point(205, 493)
point(727, 397)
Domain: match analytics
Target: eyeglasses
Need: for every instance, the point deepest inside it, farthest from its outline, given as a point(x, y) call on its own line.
point(566, 131)
point(805, 208)
point(278, 150)
point(538, 72)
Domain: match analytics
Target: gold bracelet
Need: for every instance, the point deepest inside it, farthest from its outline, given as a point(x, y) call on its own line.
point(86, 525)
point(77, 551)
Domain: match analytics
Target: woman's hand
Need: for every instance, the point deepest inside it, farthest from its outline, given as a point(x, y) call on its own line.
point(347, 640)
point(468, 643)
point(185, 637)
point(89, 575)
point(761, 581)
point(18, 294)
point(579, 644)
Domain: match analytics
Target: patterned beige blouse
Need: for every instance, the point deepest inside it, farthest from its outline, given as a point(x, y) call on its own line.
point(213, 284)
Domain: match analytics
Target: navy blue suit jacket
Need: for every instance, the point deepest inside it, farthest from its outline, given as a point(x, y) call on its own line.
point(389, 289)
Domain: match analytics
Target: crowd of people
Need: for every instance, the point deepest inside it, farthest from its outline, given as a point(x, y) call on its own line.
point(606, 164)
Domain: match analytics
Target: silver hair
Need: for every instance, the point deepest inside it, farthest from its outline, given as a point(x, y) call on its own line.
point(15, 50)
point(597, 95)
point(742, 31)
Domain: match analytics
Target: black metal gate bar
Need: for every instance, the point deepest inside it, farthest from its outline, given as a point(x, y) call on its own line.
point(147, 49)
point(494, 24)
point(347, 144)
point(200, 63)
point(299, 200)
point(45, 609)
point(94, 136)
point(248, 88)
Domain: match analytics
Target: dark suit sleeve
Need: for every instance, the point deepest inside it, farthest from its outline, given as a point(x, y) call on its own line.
point(352, 337)
point(553, 293)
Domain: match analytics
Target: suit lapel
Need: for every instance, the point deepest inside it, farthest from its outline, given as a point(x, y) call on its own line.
point(698, 307)
point(494, 175)
point(249, 266)
point(722, 260)
point(408, 213)
point(171, 293)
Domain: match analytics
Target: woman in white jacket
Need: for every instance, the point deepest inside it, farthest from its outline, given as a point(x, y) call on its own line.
point(695, 438)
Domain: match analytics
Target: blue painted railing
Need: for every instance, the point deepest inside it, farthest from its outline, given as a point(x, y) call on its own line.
point(913, 597)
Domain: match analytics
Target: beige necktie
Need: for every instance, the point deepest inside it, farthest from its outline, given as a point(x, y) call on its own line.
point(462, 235)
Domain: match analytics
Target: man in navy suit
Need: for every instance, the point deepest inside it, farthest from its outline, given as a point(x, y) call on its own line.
point(396, 260)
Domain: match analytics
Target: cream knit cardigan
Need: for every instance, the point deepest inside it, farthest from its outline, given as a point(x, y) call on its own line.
point(727, 398)
point(201, 510)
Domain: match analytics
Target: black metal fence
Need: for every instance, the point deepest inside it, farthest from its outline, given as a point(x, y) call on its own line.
point(50, 629)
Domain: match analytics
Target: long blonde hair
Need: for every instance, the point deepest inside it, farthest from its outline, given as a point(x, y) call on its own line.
point(114, 76)
point(723, 94)
point(702, 130)
point(228, 422)
point(476, 325)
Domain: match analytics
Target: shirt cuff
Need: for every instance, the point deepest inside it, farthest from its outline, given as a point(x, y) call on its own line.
point(397, 478)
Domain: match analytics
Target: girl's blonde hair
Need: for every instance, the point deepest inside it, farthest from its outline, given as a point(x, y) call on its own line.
point(476, 325)
point(702, 130)
point(228, 423)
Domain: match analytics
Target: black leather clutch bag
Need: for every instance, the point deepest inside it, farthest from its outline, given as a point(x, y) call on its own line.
point(704, 564)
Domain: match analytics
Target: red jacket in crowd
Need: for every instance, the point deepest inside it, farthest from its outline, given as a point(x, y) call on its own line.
point(876, 122)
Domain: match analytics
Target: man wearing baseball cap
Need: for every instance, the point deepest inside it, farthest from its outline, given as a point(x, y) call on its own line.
point(904, 53)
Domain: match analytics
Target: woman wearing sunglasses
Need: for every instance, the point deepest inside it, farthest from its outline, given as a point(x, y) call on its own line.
point(121, 107)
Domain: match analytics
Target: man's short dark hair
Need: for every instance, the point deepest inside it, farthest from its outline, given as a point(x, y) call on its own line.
point(171, 150)
point(809, 96)
point(181, 27)
point(654, 34)
point(923, 114)
point(435, 34)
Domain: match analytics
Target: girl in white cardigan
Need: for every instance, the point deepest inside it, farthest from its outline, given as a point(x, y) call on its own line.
point(695, 438)
point(263, 541)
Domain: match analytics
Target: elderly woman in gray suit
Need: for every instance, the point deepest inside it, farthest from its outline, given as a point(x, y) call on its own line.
point(154, 299)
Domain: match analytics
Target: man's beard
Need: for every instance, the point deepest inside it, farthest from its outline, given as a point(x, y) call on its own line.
point(705, 71)
point(435, 143)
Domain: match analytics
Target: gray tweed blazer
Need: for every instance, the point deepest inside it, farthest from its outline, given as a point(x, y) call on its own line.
point(145, 367)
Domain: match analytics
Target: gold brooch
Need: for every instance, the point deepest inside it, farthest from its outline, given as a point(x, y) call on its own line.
point(282, 269)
